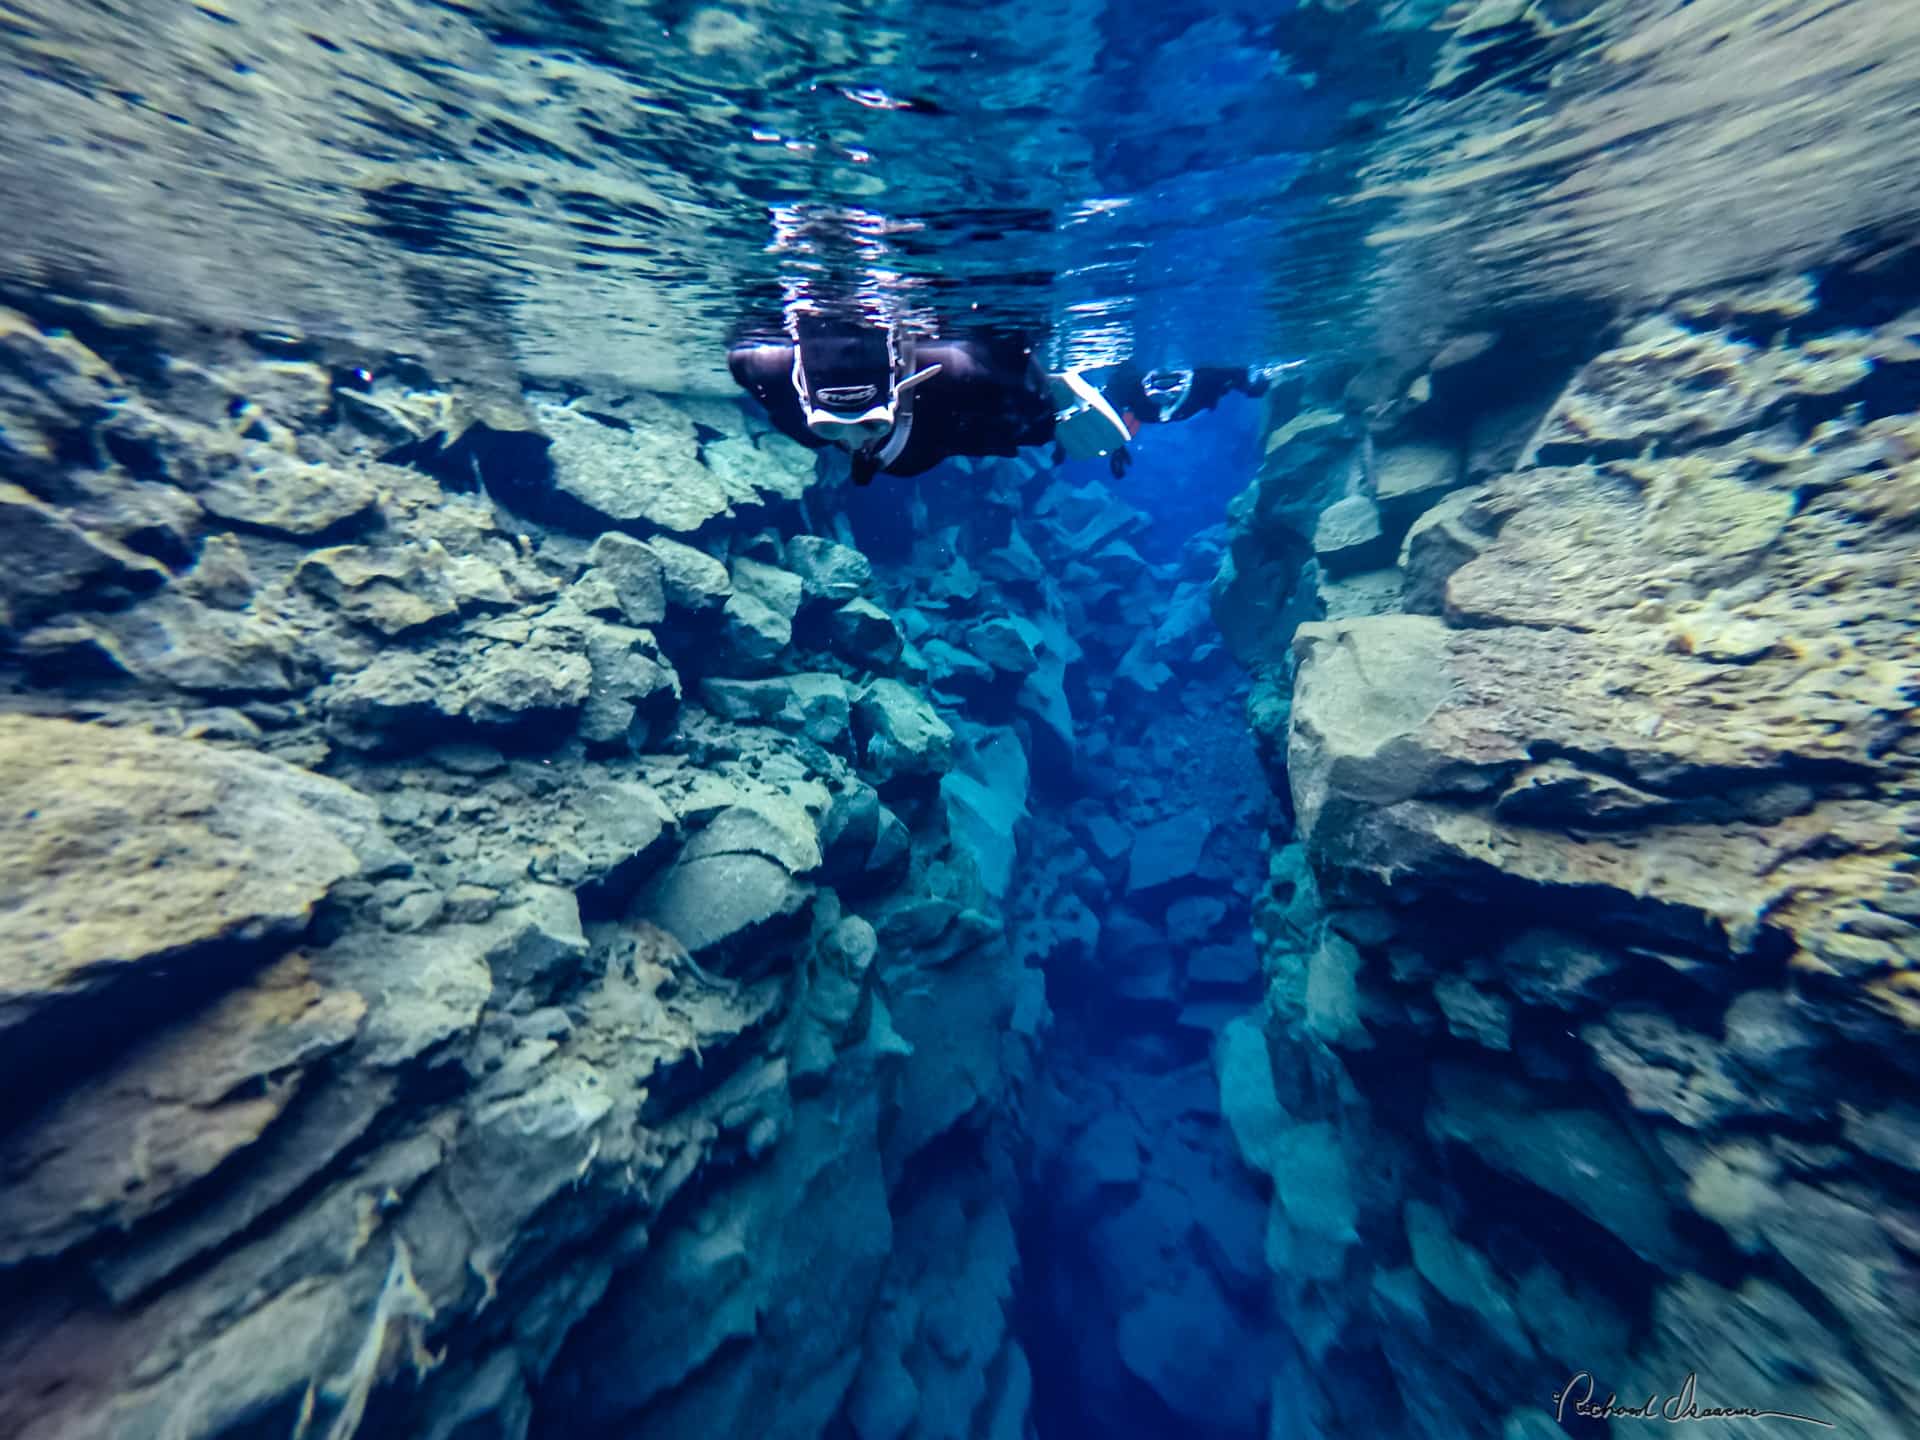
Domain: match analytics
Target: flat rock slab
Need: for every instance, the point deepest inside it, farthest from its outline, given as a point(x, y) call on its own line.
point(288, 498)
point(1168, 850)
point(121, 852)
point(706, 902)
point(128, 1143)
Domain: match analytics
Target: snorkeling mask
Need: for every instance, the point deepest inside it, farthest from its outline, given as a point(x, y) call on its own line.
point(1167, 390)
point(860, 417)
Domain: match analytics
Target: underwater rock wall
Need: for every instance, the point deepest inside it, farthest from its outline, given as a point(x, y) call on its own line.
point(485, 948)
point(1589, 946)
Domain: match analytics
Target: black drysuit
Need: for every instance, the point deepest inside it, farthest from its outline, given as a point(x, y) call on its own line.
point(990, 397)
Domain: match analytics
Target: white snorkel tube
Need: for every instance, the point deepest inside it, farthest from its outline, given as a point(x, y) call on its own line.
point(903, 412)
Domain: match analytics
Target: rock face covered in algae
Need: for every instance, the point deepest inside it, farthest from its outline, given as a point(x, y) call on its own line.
point(1589, 1032)
point(495, 940)
point(421, 928)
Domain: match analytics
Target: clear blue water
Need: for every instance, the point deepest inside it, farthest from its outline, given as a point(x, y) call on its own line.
point(607, 194)
point(614, 189)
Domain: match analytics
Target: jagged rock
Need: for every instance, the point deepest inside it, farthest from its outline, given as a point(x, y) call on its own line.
point(892, 851)
point(57, 565)
point(285, 498)
point(773, 826)
point(761, 469)
point(1464, 1276)
point(221, 577)
point(693, 579)
point(621, 830)
point(1430, 734)
point(1007, 644)
point(52, 383)
point(1140, 668)
point(818, 706)
point(636, 575)
point(779, 590)
point(1473, 1014)
point(1670, 1070)
point(848, 832)
point(1191, 920)
point(950, 667)
point(864, 634)
point(1674, 386)
point(1168, 850)
point(174, 640)
point(1349, 537)
point(1371, 592)
point(395, 590)
point(827, 571)
point(1109, 838)
point(754, 633)
point(900, 734)
point(635, 693)
point(648, 474)
point(1080, 520)
point(1581, 1156)
point(1017, 559)
point(1332, 1010)
point(1188, 617)
point(1043, 697)
point(126, 856)
point(1556, 968)
point(508, 677)
point(1248, 1099)
point(1560, 793)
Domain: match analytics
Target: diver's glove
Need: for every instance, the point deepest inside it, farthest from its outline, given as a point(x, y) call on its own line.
point(1118, 462)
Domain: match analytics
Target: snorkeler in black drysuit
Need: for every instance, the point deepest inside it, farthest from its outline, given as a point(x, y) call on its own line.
point(902, 406)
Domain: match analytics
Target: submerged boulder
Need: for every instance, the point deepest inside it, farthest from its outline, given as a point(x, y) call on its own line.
point(635, 574)
point(394, 589)
point(828, 571)
point(754, 633)
point(693, 580)
point(901, 735)
point(1007, 644)
point(710, 901)
point(864, 634)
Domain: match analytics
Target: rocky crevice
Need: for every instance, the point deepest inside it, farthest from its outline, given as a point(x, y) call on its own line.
point(517, 932)
point(483, 978)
